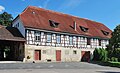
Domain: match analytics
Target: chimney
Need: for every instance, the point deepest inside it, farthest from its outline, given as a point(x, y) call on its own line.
point(75, 26)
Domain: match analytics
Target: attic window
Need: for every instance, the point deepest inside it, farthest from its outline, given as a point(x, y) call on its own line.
point(53, 23)
point(105, 32)
point(33, 12)
point(84, 29)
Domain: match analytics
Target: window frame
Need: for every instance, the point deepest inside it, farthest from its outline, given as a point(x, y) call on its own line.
point(49, 36)
point(37, 36)
point(74, 52)
point(58, 38)
point(70, 40)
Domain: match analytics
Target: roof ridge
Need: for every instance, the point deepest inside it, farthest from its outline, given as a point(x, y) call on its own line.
point(52, 11)
point(60, 13)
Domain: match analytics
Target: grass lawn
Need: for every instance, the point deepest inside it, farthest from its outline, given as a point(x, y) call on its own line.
point(114, 64)
point(109, 63)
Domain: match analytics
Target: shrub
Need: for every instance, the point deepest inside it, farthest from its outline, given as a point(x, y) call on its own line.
point(114, 59)
point(115, 54)
point(108, 59)
point(100, 55)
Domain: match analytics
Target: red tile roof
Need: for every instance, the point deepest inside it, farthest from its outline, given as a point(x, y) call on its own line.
point(34, 17)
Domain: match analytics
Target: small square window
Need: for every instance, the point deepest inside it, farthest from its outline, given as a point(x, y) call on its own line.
point(74, 52)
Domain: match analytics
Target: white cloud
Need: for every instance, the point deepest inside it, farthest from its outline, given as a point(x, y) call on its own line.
point(2, 8)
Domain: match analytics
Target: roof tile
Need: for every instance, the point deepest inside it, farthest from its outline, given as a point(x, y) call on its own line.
point(34, 17)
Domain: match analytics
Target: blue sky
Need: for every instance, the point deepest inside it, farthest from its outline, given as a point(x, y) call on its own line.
point(104, 11)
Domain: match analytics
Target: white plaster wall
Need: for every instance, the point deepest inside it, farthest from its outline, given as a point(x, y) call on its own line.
point(21, 28)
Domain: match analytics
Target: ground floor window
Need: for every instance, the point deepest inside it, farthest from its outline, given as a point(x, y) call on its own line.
point(74, 52)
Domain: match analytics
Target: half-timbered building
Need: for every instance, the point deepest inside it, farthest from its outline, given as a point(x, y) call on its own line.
point(54, 36)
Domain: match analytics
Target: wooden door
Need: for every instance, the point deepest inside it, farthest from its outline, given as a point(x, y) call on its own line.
point(58, 55)
point(85, 56)
point(37, 54)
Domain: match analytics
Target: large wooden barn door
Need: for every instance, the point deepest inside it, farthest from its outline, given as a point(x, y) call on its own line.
point(85, 56)
point(58, 55)
point(37, 54)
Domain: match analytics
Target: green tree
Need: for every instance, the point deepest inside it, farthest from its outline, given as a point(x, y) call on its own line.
point(115, 39)
point(6, 19)
point(114, 43)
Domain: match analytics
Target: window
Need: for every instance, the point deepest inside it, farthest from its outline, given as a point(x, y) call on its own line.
point(37, 36)
point(84, 29)
point(48, 37)
point(105, 32)
point(75, 41)
point(88, 41)
point(94, 43)
point(82, 42)
point(30, 37)
point(74, 52)
point(104, 43)
point(17, 25)
point(58, 39)
point(53, 24)
point(71, 40)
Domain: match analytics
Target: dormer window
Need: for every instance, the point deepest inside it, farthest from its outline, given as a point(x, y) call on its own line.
point(105, 32)
point(84, 29)
point(53, 24)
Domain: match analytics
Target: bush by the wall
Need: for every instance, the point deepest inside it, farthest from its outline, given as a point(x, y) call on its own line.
point(114, 59)
point(100, 55)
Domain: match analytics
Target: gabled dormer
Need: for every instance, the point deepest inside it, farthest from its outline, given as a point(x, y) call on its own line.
point(105, 32)
point(84, 29)
point(53, 24)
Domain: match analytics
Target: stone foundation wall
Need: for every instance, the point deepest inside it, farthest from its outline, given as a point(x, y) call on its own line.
point(49, 53)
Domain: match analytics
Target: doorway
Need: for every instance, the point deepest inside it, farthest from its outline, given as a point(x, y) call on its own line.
point(85, 56)
point(37, 54)
point(58, 55)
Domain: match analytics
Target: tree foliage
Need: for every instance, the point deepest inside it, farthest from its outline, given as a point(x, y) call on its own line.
point(100, 55)
point(114, 46)
point(115, 39)
point(6, 19)
point(112, 53)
